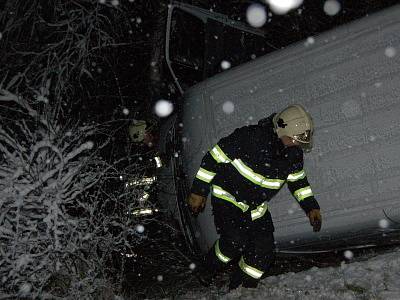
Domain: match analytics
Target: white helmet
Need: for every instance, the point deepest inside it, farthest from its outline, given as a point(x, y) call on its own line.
point(296, 123)
point(137, 131)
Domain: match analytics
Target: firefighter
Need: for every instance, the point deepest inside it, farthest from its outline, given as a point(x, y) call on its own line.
point(244, 171)
point(143, 132)
point(145, 135)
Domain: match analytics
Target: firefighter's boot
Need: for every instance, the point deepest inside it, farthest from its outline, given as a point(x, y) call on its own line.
point(235, 279)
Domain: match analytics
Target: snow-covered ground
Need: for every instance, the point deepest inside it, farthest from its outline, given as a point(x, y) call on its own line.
point(377, 278)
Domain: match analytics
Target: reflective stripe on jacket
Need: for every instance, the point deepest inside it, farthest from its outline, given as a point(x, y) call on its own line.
point(249, 167)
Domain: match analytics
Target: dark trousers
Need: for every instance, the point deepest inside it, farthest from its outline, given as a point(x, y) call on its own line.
point(252, 242)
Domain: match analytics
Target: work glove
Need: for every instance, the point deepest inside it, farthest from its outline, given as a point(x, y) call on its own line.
point(197, 203)
point(315, 219)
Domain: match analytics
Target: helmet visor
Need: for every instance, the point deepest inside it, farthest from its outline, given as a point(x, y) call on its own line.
point(303, 137)
point(305, 140)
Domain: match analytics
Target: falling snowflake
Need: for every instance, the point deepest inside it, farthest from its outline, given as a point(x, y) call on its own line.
point(308, 278)
point(309, 41)
point(139, 228)
point(115, 2)
point(383, 223)
point(256, 15)
point(160, 278)
point(331, 7)
point(88, 145)
point(163, 108)
point(390, 52)
point(102, 1)
point(281, 7)
point(225, 65)
point(125, 111)
point(228, 107)
point(192, 266)
point(348, 254)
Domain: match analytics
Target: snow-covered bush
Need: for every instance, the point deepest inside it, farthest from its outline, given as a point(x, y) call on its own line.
point(68, 222)
point(63, 210)
point(58, 226)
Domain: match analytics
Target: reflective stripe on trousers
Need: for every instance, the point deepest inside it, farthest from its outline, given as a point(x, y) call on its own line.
point(219, 254)
point(249, 270)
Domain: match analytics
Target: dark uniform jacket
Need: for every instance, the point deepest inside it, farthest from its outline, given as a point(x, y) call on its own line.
point(247, 168)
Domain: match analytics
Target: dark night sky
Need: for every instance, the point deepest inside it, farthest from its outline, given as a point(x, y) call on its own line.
point(309, 19)
point(133, 62)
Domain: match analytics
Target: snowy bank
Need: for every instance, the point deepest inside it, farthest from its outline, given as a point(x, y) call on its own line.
point(375, 278)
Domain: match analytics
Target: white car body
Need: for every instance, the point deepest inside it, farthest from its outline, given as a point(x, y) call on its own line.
point(349, 80)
